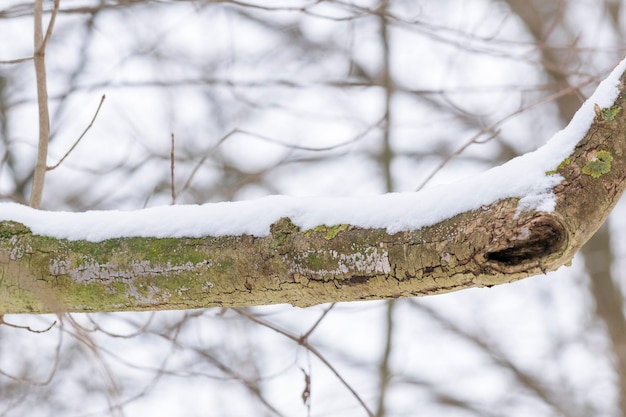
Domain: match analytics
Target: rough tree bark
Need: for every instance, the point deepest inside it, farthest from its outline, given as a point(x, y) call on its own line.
point(489, 246)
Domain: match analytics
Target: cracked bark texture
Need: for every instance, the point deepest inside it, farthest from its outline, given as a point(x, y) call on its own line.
point(489, 246)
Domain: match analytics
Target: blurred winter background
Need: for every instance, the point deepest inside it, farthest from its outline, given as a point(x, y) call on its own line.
point(312, 98)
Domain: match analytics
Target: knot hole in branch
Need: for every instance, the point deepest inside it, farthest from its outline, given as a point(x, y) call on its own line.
point(532, 241)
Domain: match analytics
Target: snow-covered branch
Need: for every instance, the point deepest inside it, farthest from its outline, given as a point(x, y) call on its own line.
point(523, 218)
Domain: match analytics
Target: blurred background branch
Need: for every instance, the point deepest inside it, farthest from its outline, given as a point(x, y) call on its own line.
point(358, 97)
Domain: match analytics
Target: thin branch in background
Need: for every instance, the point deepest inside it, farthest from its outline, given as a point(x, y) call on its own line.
point(16, 61)
point(494, 131)
point(15, 326)
point(42, 98)
point(534, 384)
point(268, 139)
point(140, 327)
point(310, 348)
point(350, 141)
point(53, 18)
point(307, 376)
point(93, 119)
point(306, 392)
point(173, 185)
point(53, 369)
point(78, 332)
point(472, 141)
point(203, 160)
point(384, 368)
point(319, 320)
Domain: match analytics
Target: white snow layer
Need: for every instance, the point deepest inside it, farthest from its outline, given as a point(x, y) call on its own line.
point(524, 177)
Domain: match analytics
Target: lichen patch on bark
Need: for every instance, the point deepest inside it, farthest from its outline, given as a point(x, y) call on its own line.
point(330, 264)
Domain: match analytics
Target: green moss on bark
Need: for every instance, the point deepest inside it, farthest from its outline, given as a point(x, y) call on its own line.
point(599, 165)
point(563, 164)
point(329, 232)
point(9, 229)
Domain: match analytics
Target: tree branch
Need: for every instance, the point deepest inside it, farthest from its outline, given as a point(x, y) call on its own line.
point(82, 135)
point(494, 244)
point(42, 98)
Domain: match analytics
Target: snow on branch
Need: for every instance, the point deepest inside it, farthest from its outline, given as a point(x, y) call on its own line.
point(520, 219)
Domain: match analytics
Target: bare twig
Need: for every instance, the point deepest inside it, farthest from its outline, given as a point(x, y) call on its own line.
point(319, 320)
point(494, 131)
point(472, 141)
point(42, 99)
point(93, 119)
point(384, 368)
point(16, 326)
point(310, 348)
point(53, 369)
point(532, 383)
point(84, 338)
point(350, 141)
point(268, 139)
point(16, 61)
point(306, 392)
point(53, 18)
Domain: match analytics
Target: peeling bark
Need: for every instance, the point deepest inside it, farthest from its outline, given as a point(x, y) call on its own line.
point(492, 245)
